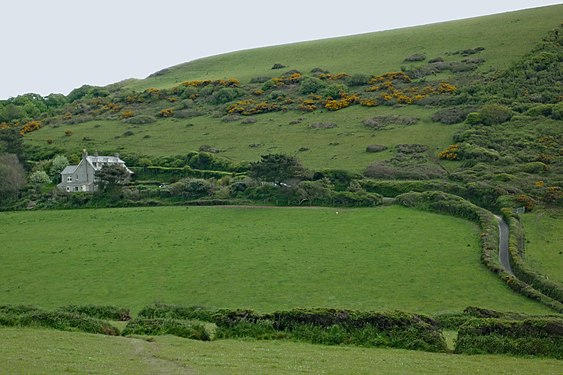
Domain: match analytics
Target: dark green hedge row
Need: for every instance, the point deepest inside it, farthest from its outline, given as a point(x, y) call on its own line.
point(100, 312)
point(180, 328)
point(456, 320)
point(437, 201)
point(320, 326)
point(175, 173)
point(522, 270)
point(26, 316)
point(541, 337)
point(392, 188)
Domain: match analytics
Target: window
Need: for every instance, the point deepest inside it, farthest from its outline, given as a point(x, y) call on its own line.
point(68, 188)
point(69, 179)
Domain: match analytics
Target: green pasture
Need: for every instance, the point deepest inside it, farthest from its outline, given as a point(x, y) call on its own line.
point(243, 257)
point(544, 242)
point(342, 147)
point(505, 37)
point(54, 352)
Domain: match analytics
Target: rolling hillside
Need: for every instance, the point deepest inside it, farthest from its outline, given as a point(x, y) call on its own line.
point(459, 118)
point(505, 37)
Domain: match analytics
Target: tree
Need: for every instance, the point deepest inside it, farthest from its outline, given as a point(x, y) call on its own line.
point(277, 168)
point(11, 141)
point(58, 163)
point(12, 176)
point(110, 180)
point(39, 177)
point(192, 188)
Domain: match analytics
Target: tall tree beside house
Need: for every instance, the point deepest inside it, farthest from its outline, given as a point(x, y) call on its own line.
point(58, 164)
point(12, 176)
point(110, 180)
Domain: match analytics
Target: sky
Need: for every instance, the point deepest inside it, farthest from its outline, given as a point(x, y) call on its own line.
point(54, 46)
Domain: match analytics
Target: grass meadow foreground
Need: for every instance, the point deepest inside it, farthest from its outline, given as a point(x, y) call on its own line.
point(242, 257)
point(54, 352)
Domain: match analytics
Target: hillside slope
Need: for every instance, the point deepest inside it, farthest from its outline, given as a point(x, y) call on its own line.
point(505, 37)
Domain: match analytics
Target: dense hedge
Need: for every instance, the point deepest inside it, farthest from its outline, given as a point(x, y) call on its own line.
point(100, 312)
point(456, 320)
point(26, 316)
point(438, 201)
point(522, 270)
point(174, 173)
point(392, 188)
point(320, 326)
point(165, 311)
point(541, 337)
point(180, 328)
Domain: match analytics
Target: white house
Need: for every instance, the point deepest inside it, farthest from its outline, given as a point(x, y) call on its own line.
point(81, 177)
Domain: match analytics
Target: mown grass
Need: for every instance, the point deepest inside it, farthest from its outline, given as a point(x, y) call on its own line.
point(54, 352)
point(265, 259)
point(342, 147)
point(544, 242)
point(505, 38)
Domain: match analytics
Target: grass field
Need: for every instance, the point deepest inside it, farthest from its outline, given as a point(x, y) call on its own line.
point(505, 37)
point(265, 259)
point(544, 236)
point(342, 147)
point(55, 352)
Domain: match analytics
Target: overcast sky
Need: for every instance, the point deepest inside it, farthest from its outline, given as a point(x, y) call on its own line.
point(57, 45)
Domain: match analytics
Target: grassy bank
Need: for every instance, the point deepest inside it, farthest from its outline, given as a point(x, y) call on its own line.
point(54, 352)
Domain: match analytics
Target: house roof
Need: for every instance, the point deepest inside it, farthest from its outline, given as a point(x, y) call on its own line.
point(98, 161)
point(69, 169)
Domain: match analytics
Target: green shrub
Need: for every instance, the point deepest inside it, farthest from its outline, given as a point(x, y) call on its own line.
point(452, 115)
point(311, 85)
point(160, 310)
point(539, 337)
point(100, 312)
point(358, 80)
point(27, 316)
point(163, 326)
point(376, 148)
point(140, 119)
point(416, 57)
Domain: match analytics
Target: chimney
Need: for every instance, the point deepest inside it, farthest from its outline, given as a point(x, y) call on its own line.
point(84, 154)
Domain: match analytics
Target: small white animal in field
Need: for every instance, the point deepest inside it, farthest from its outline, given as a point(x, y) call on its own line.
point(337, 212)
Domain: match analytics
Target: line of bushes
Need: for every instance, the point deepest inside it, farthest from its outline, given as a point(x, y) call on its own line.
point(392, 188)
point(441, 202)
point(456, 320)
point(319, 326)
point(521, 268)
point(180, 328)
point(541, 337)
point(99, 312)
point(28, 316)
point(174, 173)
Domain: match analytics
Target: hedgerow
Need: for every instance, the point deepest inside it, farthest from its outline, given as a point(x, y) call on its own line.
point(538, 337)
point(26, 316)
point(97, 311)
point(319, 326)
point(160, 326)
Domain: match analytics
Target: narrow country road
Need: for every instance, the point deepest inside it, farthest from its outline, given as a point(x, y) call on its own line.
point(503, 245)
